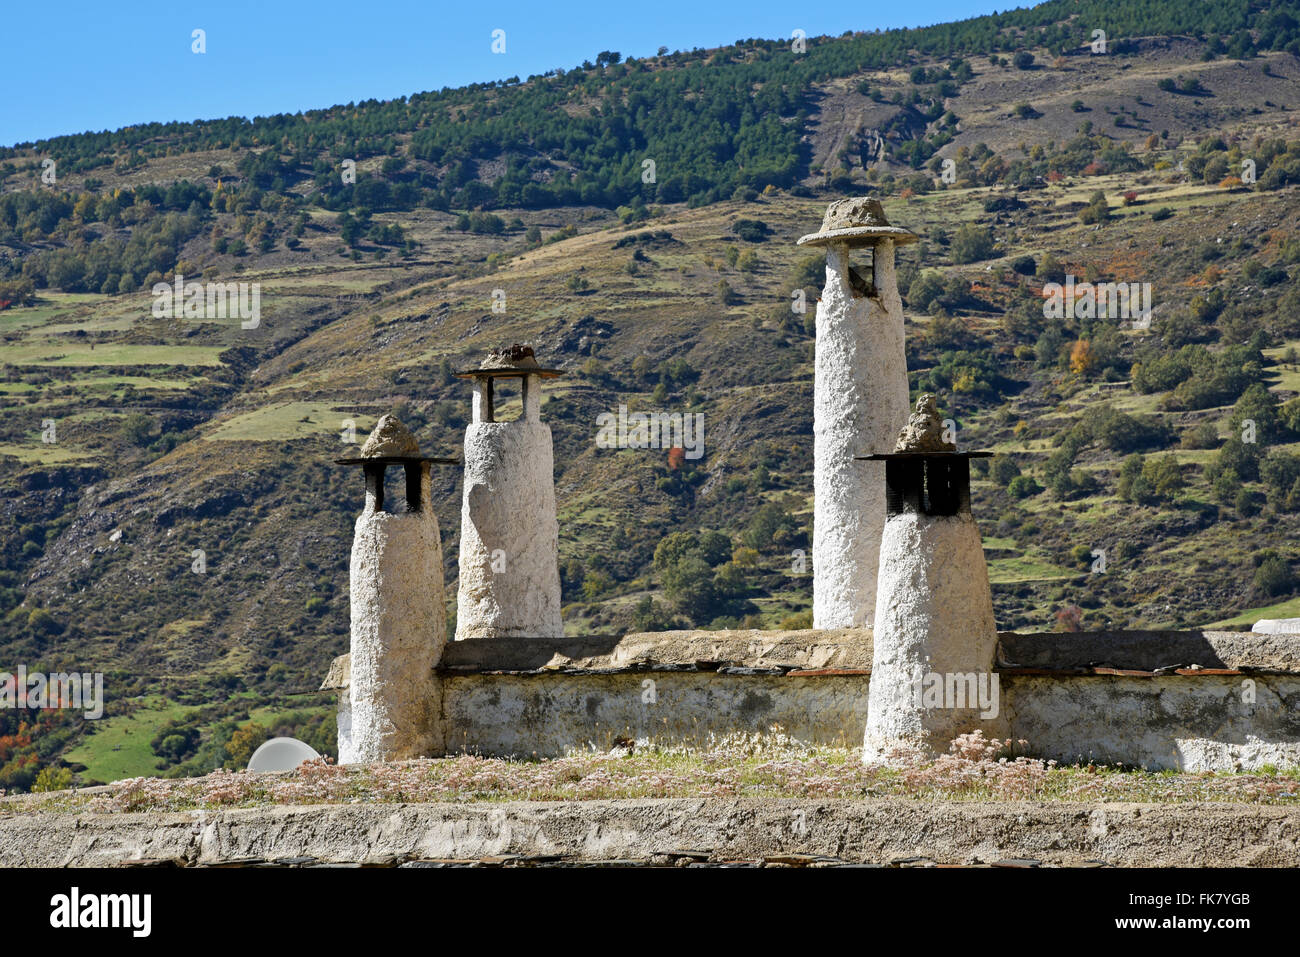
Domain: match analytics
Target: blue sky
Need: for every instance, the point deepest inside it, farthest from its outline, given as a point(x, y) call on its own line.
point(85, 65)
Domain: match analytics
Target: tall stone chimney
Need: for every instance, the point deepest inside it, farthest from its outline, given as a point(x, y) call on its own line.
point(399, 619)
point(935, 639)
point(509, 536)
point(859, 404)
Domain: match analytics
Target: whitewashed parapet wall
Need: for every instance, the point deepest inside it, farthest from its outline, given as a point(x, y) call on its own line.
point(1234, 705)
point(509, 535)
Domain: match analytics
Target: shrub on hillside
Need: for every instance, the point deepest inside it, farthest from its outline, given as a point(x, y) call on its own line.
point(1280, 471)
point(1097, 210)
point(1273, 576)
point(1121, 432)
point(1023, 486)
point(1003, 469)
point(17, 292)
point(751, 230)
point(1201, 436)
point(972, 243)
point(1024, 265)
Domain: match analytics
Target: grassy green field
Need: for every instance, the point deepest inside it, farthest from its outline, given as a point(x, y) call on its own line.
point(1283, 609)
point(119, 748)
point(270, 715)
point(289, 420)
point(117, 383)
point(1007, 571)
point(109, 354)
point(43, 454)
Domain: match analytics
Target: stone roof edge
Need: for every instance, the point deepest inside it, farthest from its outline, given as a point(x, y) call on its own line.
point(847, 651)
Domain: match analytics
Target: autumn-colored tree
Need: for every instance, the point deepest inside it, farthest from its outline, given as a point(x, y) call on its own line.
point(53, 779)
point(1082, 357)
point(11, 744)
point(19, 762)
point(1069, 618)
point(242, 744)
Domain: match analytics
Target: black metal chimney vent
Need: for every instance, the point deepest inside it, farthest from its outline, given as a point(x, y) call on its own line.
point(415, 467)
point(927, 483)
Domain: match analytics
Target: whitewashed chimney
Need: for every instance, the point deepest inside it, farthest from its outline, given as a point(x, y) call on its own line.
point(934, 637)
point(509, 536)
point(859, 404)
point(399, 618)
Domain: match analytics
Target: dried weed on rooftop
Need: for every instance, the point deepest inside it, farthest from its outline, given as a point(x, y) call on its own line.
point(736, 765)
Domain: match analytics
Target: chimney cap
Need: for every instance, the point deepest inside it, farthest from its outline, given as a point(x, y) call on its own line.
point(924, 429)
point(857, 222)
point(922, 437)
point(391, 443)
point(889, 456)
point(514, 361)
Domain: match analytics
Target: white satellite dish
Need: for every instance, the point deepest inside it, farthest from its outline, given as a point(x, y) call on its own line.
point(281, 754)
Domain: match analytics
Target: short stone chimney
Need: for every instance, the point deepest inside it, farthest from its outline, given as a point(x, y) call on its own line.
point(859, 403)
point(399, 619)
point(935, 639)
point(509, 536)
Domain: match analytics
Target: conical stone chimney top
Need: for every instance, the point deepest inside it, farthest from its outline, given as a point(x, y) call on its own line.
point(390, 439)
point(513, 361)
point(924, 429)
point(857, 222)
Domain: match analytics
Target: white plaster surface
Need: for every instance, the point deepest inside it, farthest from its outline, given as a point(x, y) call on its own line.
point(859, 404)
point(508, 518)
point(1177, 722)
point(934, 614)
point(549, 715)
point(1207, 723)
point(1277, 626)
point(399, 628)
point(344, 727)
point(1188, 723)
